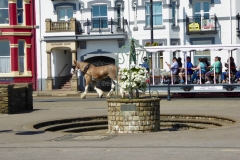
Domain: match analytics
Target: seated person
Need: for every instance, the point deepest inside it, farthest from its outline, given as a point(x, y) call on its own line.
point(232, 69)
point(189, 70)
point(237, 76)
point(218, 68)
point(203, 67)
point(174, 68)
point(145, 63)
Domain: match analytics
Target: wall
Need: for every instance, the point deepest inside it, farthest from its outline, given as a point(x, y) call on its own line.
point(15, 98)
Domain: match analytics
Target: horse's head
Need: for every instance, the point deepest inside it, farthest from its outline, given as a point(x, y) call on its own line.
point(75, 67)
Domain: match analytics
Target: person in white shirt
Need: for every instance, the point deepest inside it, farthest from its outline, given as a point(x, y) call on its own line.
point(174, 68)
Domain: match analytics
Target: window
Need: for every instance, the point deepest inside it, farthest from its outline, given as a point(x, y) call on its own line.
point(119, 16)
point(99, 16)
point(157, 13)
point(201, 54)
point(174, 13)
point(201, 9)
point(4, 12)
point(65, 14)
point(21, 53)
point(20, 11)
point(159, 60)
point(4, 57)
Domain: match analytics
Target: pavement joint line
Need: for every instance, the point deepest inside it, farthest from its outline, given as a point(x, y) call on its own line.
point(128, 147)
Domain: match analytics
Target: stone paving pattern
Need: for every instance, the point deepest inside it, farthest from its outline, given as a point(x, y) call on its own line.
point(20, 141)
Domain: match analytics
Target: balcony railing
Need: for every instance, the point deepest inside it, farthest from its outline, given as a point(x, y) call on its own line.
point(238, 24)
point(103, 26)
point(62, 26)
point(94, 26)
point(201, 24)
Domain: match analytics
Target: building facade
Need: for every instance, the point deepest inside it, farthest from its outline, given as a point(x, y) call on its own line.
point(95, 31)
point(17, 42)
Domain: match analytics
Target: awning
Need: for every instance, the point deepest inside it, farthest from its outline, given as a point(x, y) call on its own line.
point(188, 48)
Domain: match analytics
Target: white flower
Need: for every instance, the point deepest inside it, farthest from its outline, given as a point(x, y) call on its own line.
point(137, 79)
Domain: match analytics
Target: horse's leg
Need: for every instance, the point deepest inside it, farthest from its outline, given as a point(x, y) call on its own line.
point(112, 88)
point(99, 91)
point(83, 95)
point(122, 92)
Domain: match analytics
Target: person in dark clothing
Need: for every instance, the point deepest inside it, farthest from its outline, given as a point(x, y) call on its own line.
point(179, 61)
point(232, 69)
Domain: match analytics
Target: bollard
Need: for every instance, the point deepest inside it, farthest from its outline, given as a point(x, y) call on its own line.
point(168, 96)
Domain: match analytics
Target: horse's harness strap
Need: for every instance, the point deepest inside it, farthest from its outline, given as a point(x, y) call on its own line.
point(86, 68)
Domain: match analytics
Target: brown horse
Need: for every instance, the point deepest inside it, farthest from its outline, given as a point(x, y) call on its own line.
point(93, 74)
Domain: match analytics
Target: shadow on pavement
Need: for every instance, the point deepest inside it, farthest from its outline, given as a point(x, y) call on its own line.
point(29, 132)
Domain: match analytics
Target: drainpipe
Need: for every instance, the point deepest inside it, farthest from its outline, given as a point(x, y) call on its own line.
point(231, 23)
point(40, 40)
point(33, 50)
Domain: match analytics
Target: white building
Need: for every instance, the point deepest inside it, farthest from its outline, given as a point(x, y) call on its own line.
point(94, 31)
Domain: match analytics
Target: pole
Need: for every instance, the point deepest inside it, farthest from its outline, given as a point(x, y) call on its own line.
point(151, 29)
point(151, 20)
point(169, 97)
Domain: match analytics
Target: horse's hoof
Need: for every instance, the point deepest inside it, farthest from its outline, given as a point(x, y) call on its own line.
point(83, 96)
point(100, 96)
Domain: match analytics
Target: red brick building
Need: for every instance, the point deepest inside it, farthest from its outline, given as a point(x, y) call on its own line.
point(17, 41)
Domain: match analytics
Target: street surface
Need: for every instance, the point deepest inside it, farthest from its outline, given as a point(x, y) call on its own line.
point(20, 141)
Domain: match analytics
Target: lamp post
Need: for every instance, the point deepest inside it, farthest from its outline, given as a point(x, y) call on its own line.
point(151, 20)
point(151, 30)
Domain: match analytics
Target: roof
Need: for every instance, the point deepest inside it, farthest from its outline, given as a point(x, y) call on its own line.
point(187, 48)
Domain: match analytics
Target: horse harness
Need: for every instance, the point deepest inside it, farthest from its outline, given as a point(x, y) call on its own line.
point(85, 71)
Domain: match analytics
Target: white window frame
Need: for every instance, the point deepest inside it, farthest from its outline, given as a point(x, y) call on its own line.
point(99, 4)
point(119, 19)
point(22, 58)
point(174, 21)
point(6, 57)
point(65, 8)
point(201, 42)
point(153, 14)
point(7, 19)
point(23, 14)
point(201, 8)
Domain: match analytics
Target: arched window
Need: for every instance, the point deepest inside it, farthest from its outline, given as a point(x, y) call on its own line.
point(4, 17)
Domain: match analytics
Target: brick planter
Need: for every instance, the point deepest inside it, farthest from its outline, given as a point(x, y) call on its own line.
point(15, 98)
point(133, 116)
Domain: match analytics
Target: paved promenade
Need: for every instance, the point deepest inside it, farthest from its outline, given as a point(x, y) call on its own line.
point(18, 140)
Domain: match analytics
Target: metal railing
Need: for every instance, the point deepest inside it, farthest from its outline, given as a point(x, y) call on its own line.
point(62, 69)
point(103, 25)
point(238, 24)
point(201, 23)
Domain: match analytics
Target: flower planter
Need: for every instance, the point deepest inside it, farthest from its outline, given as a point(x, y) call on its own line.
point(133, 116)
